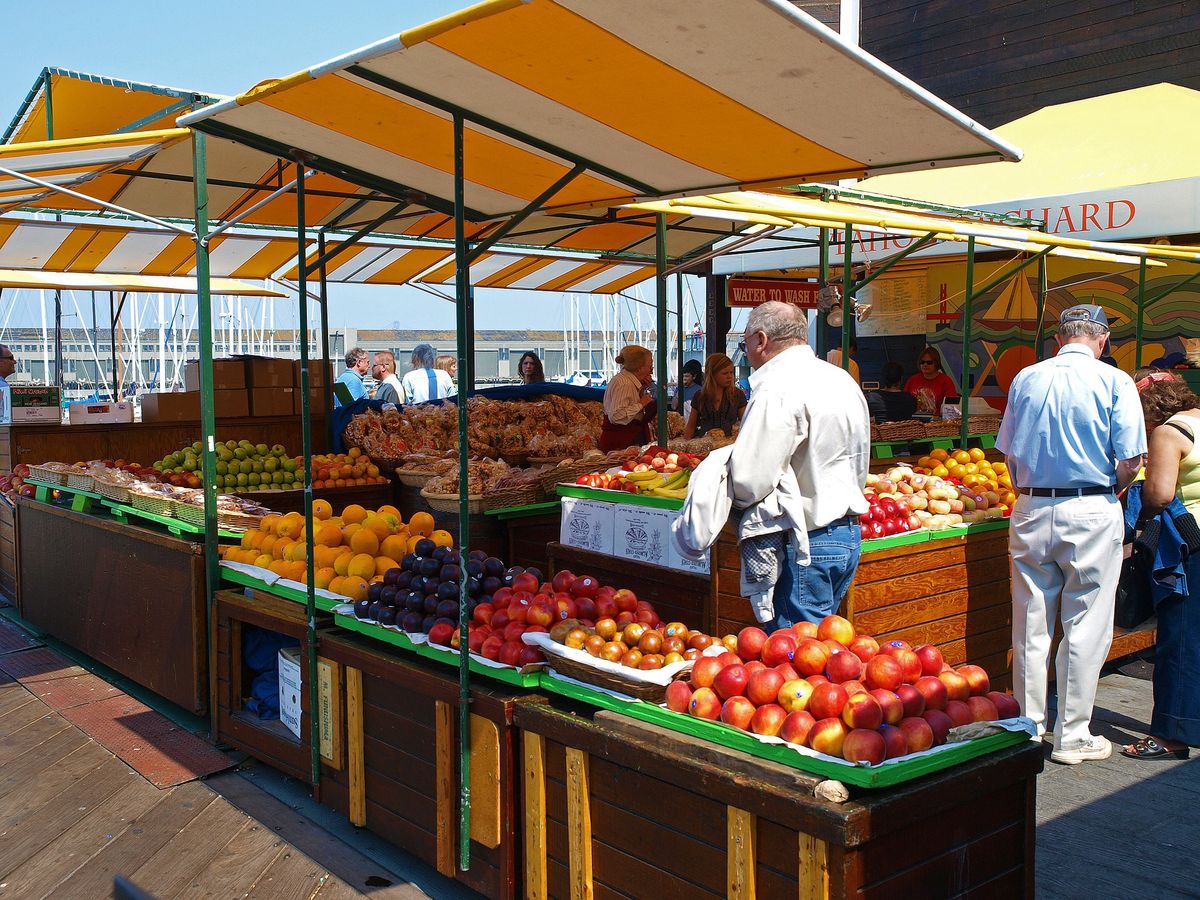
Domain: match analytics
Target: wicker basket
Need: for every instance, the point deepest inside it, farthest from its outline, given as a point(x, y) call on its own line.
point(80, 481)
point(158, 506)
point(983, 424)
point(545, 460)
point(111, 490)
point(642, 690)
point(519, 458)
point(413, 477)
point(943, 428)
point(449, 502)
point(522, 496)
point(230, 521)
point(905, 430)
point(567, 474)
point(48, 476)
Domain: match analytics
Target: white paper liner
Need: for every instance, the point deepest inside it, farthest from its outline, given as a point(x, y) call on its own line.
point(661, 677)
point(264, 575)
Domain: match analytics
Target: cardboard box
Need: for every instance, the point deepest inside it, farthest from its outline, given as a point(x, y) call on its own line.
point(35, 403)
point(676, 560)
point(587, 524)
point(92, 413)
point(184, 406)
point(228, 375)
point(262, 372)
point(289, 689)
point(275, 401)
point(317, 372)
point(316, 401)
point(642, 533)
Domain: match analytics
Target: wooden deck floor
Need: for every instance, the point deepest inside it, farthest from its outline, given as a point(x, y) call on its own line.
point(72, 816)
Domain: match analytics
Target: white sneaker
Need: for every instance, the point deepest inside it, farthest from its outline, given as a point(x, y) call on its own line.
point(1095, 747)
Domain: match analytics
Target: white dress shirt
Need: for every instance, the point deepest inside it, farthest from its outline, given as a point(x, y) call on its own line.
point(416, 385)
point(623, 398)
point(808, 414)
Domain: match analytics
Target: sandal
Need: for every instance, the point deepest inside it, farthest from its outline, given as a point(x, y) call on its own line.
point(1150, 748)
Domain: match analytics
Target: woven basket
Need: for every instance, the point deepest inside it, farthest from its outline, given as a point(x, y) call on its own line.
point(545, 460)
point(983, 424)
point(80, 482)
point(568, 474)
point(905, 430)
point(49, 476)
point(111, 490)
point(943, 428)
point(413, 477)
point(158, 506)
point(522, 496)
point(520, 458)
point(449, 502)
point(651, 693)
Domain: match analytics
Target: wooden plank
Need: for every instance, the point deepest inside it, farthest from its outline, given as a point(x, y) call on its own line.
point(814, 867)
point(579, 824)
point(238, 866)
point(923, 582)
point(932, 607)
point(485, 782)
point(291, 875)
point(23, 769)
point(23, 802)
point(740, 855)
point(354, 746)
point(447, 820)
point(534, 755)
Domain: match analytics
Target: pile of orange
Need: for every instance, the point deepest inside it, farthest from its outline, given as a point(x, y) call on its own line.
point(973, 470)
point(349, 551)
point(344, 469)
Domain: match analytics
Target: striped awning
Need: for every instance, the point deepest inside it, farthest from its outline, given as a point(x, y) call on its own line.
point(657, 98)
point(152, 284)
point(72, 162)
point(116, 249)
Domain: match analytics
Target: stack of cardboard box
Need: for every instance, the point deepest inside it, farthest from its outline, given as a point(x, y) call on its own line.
point(242, 386)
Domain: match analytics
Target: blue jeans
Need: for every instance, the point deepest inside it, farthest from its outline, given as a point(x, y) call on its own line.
point(810, 593)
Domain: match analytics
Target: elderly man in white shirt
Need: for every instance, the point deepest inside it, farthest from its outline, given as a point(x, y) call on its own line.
point(809, 416)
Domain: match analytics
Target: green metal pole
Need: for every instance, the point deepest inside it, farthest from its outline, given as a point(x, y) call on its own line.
point(824, 279)
point(847, 294)
point(1043, 289)
point(208, 416)
point(968, 300)
point(660, 283)
point(679, 338)
point(462, 290)
point(326, 377)
point(1140, 323)
point(310, 587)
point(49, 95)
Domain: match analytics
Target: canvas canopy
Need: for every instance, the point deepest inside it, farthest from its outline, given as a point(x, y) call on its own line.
point(154, 284)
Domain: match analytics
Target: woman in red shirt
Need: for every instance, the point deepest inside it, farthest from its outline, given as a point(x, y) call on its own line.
point(930, 385)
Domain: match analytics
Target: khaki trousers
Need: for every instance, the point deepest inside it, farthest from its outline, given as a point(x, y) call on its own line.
point(1066, 560)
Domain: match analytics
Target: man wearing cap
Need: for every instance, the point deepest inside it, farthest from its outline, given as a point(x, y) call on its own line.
point(1074, 437)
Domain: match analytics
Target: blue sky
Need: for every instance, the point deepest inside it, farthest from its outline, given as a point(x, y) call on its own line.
point(224, 47)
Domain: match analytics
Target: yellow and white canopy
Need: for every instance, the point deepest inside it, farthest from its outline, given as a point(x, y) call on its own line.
point(655, 98)
point(153, 284)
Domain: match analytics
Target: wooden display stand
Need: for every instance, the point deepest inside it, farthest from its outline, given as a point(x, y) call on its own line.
point(617, 807)
point(9, 552)
point(131, 598)
point(486, 533)
point(529, 538)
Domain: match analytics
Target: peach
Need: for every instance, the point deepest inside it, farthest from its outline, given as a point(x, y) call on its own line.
point(768, 719)
point(737, 711)
point(704, 671)
point(938, 722)
point(933, 690)
point(754, 665)
point(862, 711)
point(796, 727)
point(913, 700)
point(786, 670)
point(731, 682)
point(895, 743)
point(835, 628)
point(894, 645)
point(931, 659)
point(982, 709)
point(827, 736)
point(977, 679)
point(1007, 706)
point(779, 648)
point(814, 680)
point(763, 686)
point(679, 695)
point(810, 657)
point(705, 704)
point(918, 732)
point(827, 700)
point(891, 705)
point(729, 659)
point(959, 712)
point(844, 667)
point(957, 687)
point(805, 630)
point(864, 647)
point(795, 694)
point(864, 745)
point(750, 642)
point(910, 663)
point(854, 686)
point(884, 672)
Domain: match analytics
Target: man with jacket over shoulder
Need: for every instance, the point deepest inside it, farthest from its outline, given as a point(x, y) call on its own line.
point(1074, 437)
point(810, 417)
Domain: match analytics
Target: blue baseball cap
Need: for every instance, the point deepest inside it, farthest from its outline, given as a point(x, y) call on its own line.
point(1084, 312)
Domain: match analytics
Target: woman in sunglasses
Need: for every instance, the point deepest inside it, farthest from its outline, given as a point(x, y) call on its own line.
point(930, 385)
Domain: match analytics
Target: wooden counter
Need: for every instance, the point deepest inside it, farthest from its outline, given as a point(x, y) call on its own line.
point(129, 597)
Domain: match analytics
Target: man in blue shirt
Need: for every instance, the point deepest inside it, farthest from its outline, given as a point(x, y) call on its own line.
point(1074, 437)
point(352, 378)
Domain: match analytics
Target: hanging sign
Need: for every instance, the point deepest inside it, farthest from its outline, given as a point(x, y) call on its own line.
point(748, 292)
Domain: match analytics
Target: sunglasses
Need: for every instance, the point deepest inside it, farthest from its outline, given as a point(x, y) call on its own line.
point(741, 345)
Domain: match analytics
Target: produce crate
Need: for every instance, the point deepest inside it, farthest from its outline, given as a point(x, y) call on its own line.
point(586, 493)
point(400, 778)
point(618, 807)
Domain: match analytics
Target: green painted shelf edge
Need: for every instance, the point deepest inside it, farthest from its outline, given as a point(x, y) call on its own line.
point(506, 513)
point(176, 526)
point(62, 487)
point(723, 735)
point(921, 537)
point(889, 449)
point(284, 593)
point(584, 493)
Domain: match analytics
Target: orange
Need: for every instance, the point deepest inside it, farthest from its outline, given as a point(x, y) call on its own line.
point(354, 588)
point(976, 454)
point(324, 575)
point(328, 535)
point(245, 541)
point(388, 510)
point(939, 454)
point(322, 509)
point(421, 523)
point(383, 563)
point(279, 567)
point(961, 456)
point(289, 527)
point(365, 541)
point(926, 462)
point(362, 565)
point(324, 556)
point(264, 561)
point(296, 552)
point(341, 565)
point(378, 579)
point(412, 543)
point(353, 513)
point(378, 525)
point(281, 547)
point(940, 471)
point(442, 538)
point(394, 546)
point(298, 571)
point(335, 584)
point(354, 452)
point(270, 522)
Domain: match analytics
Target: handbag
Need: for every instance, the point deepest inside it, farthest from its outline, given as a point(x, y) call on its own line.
point(1134, 603)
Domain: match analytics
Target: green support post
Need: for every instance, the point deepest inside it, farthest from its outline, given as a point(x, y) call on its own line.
point(462, 290)
point(208, 416)
point(326, 377)
point(310, 587)
point(679, 337)
point(824, 281)
point(58, 375)
point(660, 283)
point(1043, 289)
point(1140, 323)
point(968, 300)
point(847, 293)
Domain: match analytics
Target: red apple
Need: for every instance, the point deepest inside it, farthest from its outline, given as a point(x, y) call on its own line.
point(483, 613)
point(750, 642)
point(909, 662)
point(795, 694)
point(827, 701)
point(805, 630)
point(940, 724)
point(779, 648)
point(827, 736)
point(864, 745)
point(502, 597)
point(705, 704)
point(537, 613)
point(864, 647)
point(526, 582)
point(586, 586)
point(763, 686)
point(862, 711)
point(918, 733)
point(564, 608)
point(440, 634)
point(737, 711)
point(834, 646)
point(768, 719)
point(913, 700)
point(891, 705)
point(513, 631)
point(895, 744)
point(528, 656)
point(931, 659)
point(814, 680)
point(959, 713)
point(844, 667)
point(562, 580)
point(957, 687)
point(510, 652)
point(884, 672)
point(810, 657)
point(1007, 706)
point(625, 599)
point(704, 671)
point(606, 608)
point(893, 646)
point(729, 659)
point(933, 690)
point(854, 686)
point(977, 680)
point(679, 695)
point(731, 682)
point(586, 608)
point(755, 665)
point(796, 726)
point(837, 629)
point(786, 670)
point(982, 709)
point(491, 648)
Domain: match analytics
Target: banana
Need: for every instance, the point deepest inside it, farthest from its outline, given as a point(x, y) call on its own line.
point(668, 493)
point(677, 479)
point(643, 476)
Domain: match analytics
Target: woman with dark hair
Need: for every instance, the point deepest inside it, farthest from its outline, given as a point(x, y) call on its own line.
point(891, 403)
point(720, 403)
point(1173, 471)
point(931, 386)
point(693, 376)
point(530, 368)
